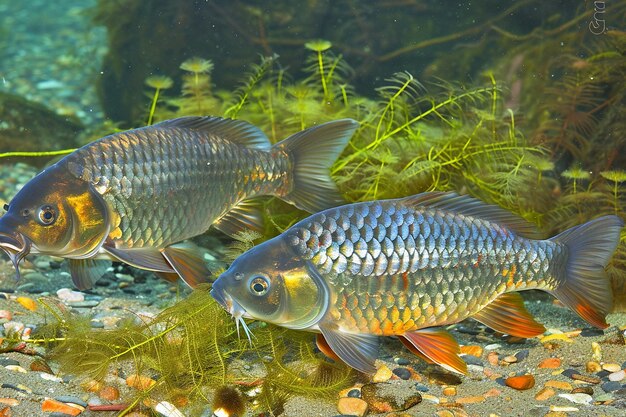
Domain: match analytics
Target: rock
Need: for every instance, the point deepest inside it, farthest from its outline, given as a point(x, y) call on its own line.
point(421, 387)
point(449, 391)
point(470, 400)
point(49, 405)
point(401, 361)
point(140, 382)
point(11, 402)
point(591, 332)
point(402, 373)
point(583, 390)
point(544, 394)
point(167, 409)
point(352, 406)
point(617, 376)
point(71, 399)
point(493, 358)
point(562, 385)
point(592, 367)
point(472, 360)
point(550, 363)
point(386, 397)
point(6, 315)
point(443, 378)
point(586, 378)
point(611, 386)
point(84, 304)
point(521, 382)
point(27, 303)
point(39, 365)
point(32, 127)
point(611, 367)
point(354, 393)
point(4, 361)
point(578, 398)
point(69, 296)
point(522, 354)
point(383, 374)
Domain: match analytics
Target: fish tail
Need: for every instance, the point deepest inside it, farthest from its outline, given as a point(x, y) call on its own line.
point(586, 288)
point(312, 153)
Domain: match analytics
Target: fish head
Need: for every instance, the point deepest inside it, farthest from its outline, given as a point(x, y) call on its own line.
point(270, 282)
point(56, 214)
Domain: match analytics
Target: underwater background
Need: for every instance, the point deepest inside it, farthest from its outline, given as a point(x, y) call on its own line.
point(519, 103)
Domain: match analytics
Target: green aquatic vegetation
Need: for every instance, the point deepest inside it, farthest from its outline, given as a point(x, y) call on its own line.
point(616, 177)
point(158, 82)
point(192, 346)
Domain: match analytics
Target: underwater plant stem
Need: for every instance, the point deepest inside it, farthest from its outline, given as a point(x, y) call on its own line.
point(320, 61)
point(615, 199)
point(35, 154)
point(155, 98)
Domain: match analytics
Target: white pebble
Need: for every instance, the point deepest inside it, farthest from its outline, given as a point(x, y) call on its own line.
point(50, 377)
point(69, 296)
point(493, 346)
point(168, 410)
point(14, 326)
point(16, 368)
point(617, 376)
point(578, 398)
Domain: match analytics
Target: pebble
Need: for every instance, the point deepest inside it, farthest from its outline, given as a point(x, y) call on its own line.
point(85, 304)
point(39, 365)
point(611, 386)
point(18, 387)
point(583, 390)
point(402, 373)
point(522, 354)
point(521, 382)
point(49, 405)
point(544, 394)
point(16, 368)
point(6, 315)
point(493, 358)
point(383, 374)
point(168, 409)
point(470, 400)
point(617, 376)
point(71, 399)
point(7, 361)
point(384, 398)
point(11, 402)
point(592, 367)
point(140, 382)
point(586, 378)
point(50, 377)
point(354, 393)
point(591, 332)
point(352, 406)
point(421, 387)
point(449, 391)
point(401, 361)
point(444, 378)
point(557, 336)
point(562, 385)
point(611, 367)
point(27, 303)
point(578, 398)
point(472, 360)
point(550, 363)
point(69, 296)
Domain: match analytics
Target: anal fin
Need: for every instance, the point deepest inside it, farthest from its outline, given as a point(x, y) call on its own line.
point(439, 347)
point(85, 272)
point(358, 351)
point(143, 258)
point(507, 314)
point(246, 215)
point(322, 345)
point(188, 262)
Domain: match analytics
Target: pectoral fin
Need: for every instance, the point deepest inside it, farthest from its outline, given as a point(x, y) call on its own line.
point(507, 314)
point(322, 345)
point(244, 216)
point(85, 272)
point(357, 350)
point(439, 346)
point(144, 258)
point(188, 262)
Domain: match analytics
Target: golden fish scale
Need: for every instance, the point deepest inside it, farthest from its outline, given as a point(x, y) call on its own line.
point(167, 185)
point(394, 269)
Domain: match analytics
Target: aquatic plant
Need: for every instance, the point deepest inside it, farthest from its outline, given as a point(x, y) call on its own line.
point(158, 82)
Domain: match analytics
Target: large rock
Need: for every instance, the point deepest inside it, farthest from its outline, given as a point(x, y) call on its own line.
point(27, 126)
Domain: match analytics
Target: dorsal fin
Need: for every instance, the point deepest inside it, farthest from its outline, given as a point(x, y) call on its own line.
point(236, 131)
point(469, 206)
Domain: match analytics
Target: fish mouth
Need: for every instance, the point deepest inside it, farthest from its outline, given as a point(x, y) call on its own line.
point(16, 246)
point(233, 308)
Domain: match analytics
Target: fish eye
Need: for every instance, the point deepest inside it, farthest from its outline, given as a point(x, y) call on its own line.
point(259, 285)
point(47, 215)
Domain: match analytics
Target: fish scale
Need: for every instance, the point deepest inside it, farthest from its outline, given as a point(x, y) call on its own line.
point(166, 191)
point(410, 257)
